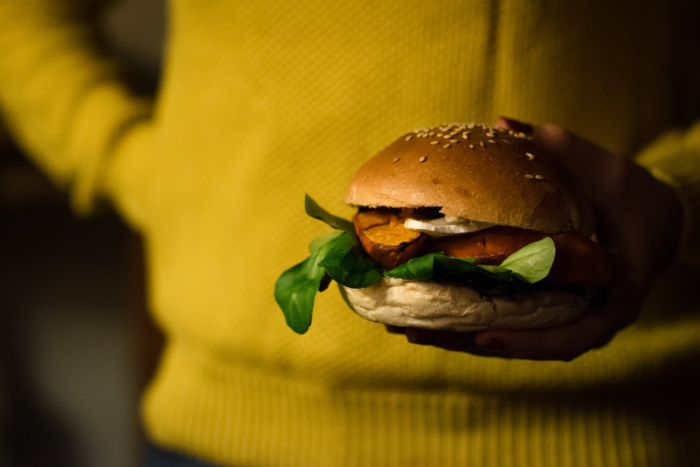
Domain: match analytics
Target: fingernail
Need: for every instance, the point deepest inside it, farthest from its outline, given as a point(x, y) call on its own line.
point(516, 126)
point(494, 345)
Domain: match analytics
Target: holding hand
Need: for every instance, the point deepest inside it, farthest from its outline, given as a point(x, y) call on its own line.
point(639, 222)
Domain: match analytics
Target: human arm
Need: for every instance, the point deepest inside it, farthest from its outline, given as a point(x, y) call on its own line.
point(64, 98)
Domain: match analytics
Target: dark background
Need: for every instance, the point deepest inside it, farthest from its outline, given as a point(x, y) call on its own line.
point(76, 346)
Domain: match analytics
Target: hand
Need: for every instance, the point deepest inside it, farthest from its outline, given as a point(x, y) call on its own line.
point(639, 222)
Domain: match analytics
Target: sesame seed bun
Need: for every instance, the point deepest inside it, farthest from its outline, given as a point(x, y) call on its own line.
point(459, 308)
point(476, 172)
point(482, 174)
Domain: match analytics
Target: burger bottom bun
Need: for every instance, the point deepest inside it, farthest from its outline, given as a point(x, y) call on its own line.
point(459, 308)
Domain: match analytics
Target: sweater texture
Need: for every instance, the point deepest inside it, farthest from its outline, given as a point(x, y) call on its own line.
point(261, 102)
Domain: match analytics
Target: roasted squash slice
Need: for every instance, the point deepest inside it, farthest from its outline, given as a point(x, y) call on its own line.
point(385, 238)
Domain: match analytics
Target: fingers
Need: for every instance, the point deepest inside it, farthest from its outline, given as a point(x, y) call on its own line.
point(591, 331)
point(564, 343)
point(596, 169)
point(632, 209)
point(628, 199)
point(601, 173)
point(560, 143)
point(457, 341)
point(448, 340)
point(637, 216)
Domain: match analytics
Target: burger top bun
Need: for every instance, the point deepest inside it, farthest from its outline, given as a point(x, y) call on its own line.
point(475, 172)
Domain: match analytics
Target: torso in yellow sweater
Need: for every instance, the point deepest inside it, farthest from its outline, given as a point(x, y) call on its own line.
point(264, 101)
point(268, 102)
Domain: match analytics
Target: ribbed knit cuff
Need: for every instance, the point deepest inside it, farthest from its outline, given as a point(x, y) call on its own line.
point(674, 158)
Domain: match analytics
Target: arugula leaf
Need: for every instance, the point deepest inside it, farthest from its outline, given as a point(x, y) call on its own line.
point(321, 241)
point(455, 269)
point(340, 255)
point(434, 265)
point(317, 212)
point(529, 264)
point(348, 264)
point(295, 290)
point(532, 262)
point(415, 269)
point(497, 272)
point(336, 253)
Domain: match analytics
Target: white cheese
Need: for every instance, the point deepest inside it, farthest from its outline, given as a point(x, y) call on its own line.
point(446, 226)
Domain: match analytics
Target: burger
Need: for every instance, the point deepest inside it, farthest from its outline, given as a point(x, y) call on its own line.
point(459, 227)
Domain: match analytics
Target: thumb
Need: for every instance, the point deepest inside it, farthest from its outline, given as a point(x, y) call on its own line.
point(595, 168)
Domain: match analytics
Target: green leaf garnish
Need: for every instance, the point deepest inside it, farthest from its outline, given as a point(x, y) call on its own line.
point(434, 266)
point(321, 241)
point(317, 212)
point(532, 262)
point(337, 254)
point(295, 290)
point(529, 264)
point(497, 272)
point(348, 264)
point(455, 269)
point(340, 255)
point(416, 269)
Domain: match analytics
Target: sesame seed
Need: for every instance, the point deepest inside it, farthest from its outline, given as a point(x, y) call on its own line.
point(439, 135)
point(422, 159)
point(510, 132)
point(447, 136)
point(447, 146)
point(432, 133)
point(408, 138)
point(481, 143)
point(492, 141)
point(539, 177)
point(454, 141)
point(397, 159)
point(471, 146)
point(530, 156)
point(529, 176)
point(435, 142)
point(470, 126)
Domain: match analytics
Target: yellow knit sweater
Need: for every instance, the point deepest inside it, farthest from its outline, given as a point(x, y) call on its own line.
point(264, 101)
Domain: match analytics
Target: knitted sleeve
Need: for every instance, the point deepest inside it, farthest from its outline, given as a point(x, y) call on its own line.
point(675, 159)
point(61, 96)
